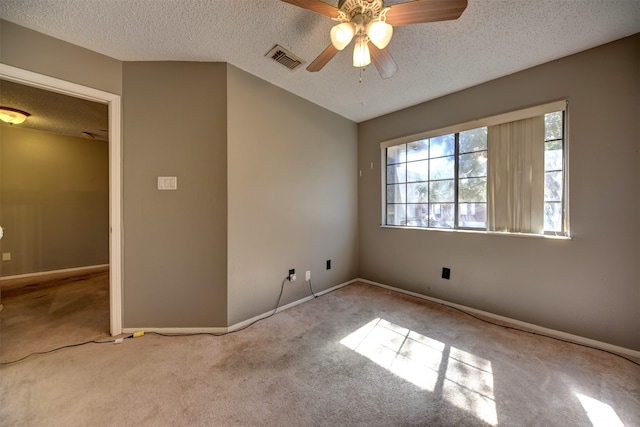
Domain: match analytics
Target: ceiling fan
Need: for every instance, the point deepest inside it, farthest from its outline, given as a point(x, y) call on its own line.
point(371, 23)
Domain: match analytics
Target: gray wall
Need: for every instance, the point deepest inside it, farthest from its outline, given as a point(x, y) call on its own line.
point(175, 242)
point(590, 285)
point(33, 51)
point(292, 195)
point(54, 201)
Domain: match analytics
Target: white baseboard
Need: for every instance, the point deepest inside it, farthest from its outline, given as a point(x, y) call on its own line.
point(341, 285)
point(55, 272)
point(536, 328)
point(235, 327)
point(546, 331)
point(247, 322)
point(176, 331)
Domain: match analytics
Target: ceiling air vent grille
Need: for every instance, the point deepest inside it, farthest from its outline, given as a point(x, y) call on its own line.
point(284, 57)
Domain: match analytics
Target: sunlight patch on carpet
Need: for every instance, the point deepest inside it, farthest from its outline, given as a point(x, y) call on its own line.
point(600, 414)
point(462, 378)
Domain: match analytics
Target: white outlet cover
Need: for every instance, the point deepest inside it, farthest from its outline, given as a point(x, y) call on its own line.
point(167, 183)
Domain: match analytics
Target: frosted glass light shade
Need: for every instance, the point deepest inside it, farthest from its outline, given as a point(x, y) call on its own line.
point(13, 116)
point(342, 34)
point(361, 54)
point(379, 33)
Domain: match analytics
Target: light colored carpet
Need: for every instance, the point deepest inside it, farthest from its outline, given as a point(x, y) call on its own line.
point(359, 356)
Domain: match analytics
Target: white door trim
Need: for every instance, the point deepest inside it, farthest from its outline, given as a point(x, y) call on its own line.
point(18, 75)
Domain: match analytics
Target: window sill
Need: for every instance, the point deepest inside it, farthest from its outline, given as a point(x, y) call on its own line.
point(484, 232)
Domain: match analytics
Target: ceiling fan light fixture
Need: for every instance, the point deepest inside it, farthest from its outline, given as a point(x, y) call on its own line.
point(361, 54)
point(342, 34)
point(379, 33)
point(13, 116)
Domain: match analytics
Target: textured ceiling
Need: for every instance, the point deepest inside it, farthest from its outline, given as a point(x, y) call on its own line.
point(491, 39)
point(54, 112)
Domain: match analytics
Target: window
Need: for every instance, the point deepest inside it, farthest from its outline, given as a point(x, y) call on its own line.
point(472, 179)
point(507, 176)
point(554, 172)
point(438, 182)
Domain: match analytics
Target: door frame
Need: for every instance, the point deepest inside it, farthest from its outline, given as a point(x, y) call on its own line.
point(29, 78)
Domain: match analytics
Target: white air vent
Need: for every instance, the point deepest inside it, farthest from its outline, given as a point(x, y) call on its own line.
point(284, 57)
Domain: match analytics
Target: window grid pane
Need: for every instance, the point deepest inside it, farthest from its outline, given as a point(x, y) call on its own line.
point(473, 165)
point(553, 216)
point(424, 176)
point(442, 168)
point(417, 171)
point(397, 154)
point(473, 140)
point(396, 214)
point(441, 215)
point(472, 179)
point(396, 173)
point(417, 215)
point(472, 215)
point(397, 193)
point(418, 150)
point(554, 172)
point(472, 190)
point(418, 192)
point(442, 191)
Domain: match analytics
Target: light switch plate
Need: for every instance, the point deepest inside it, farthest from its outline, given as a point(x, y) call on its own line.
point(167, 183)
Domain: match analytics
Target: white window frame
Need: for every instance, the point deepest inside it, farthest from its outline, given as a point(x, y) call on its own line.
point(526, 113)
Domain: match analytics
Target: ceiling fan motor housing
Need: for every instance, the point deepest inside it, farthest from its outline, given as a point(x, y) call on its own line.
point(368, 8)
point(360, 12)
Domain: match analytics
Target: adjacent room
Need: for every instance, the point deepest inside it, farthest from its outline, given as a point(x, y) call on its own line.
point(278, 213)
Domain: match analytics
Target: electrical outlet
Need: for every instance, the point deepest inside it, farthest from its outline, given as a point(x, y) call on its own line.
point(292, 275)
point(307, 275)
point(446, 273)
point(328, 264)
point(6, 256)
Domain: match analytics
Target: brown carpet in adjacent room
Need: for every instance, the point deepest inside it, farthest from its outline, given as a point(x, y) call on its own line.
point(358, 356)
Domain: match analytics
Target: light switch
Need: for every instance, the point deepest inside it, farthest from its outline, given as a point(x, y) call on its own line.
point(167, 183)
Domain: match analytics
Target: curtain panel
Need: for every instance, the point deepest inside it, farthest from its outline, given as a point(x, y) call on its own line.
point(515, 176)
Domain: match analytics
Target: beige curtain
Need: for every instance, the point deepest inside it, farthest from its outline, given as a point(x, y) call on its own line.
point(515, 181)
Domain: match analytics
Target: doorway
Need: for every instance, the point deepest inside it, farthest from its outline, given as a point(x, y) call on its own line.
point(113, 102)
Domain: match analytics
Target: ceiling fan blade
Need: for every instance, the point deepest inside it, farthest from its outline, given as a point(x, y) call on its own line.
point(323, 58)
point(384, 62)
point(419, 11)
point(315, 6)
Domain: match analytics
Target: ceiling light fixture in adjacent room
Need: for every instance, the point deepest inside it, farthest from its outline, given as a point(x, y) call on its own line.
point(13, 116)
